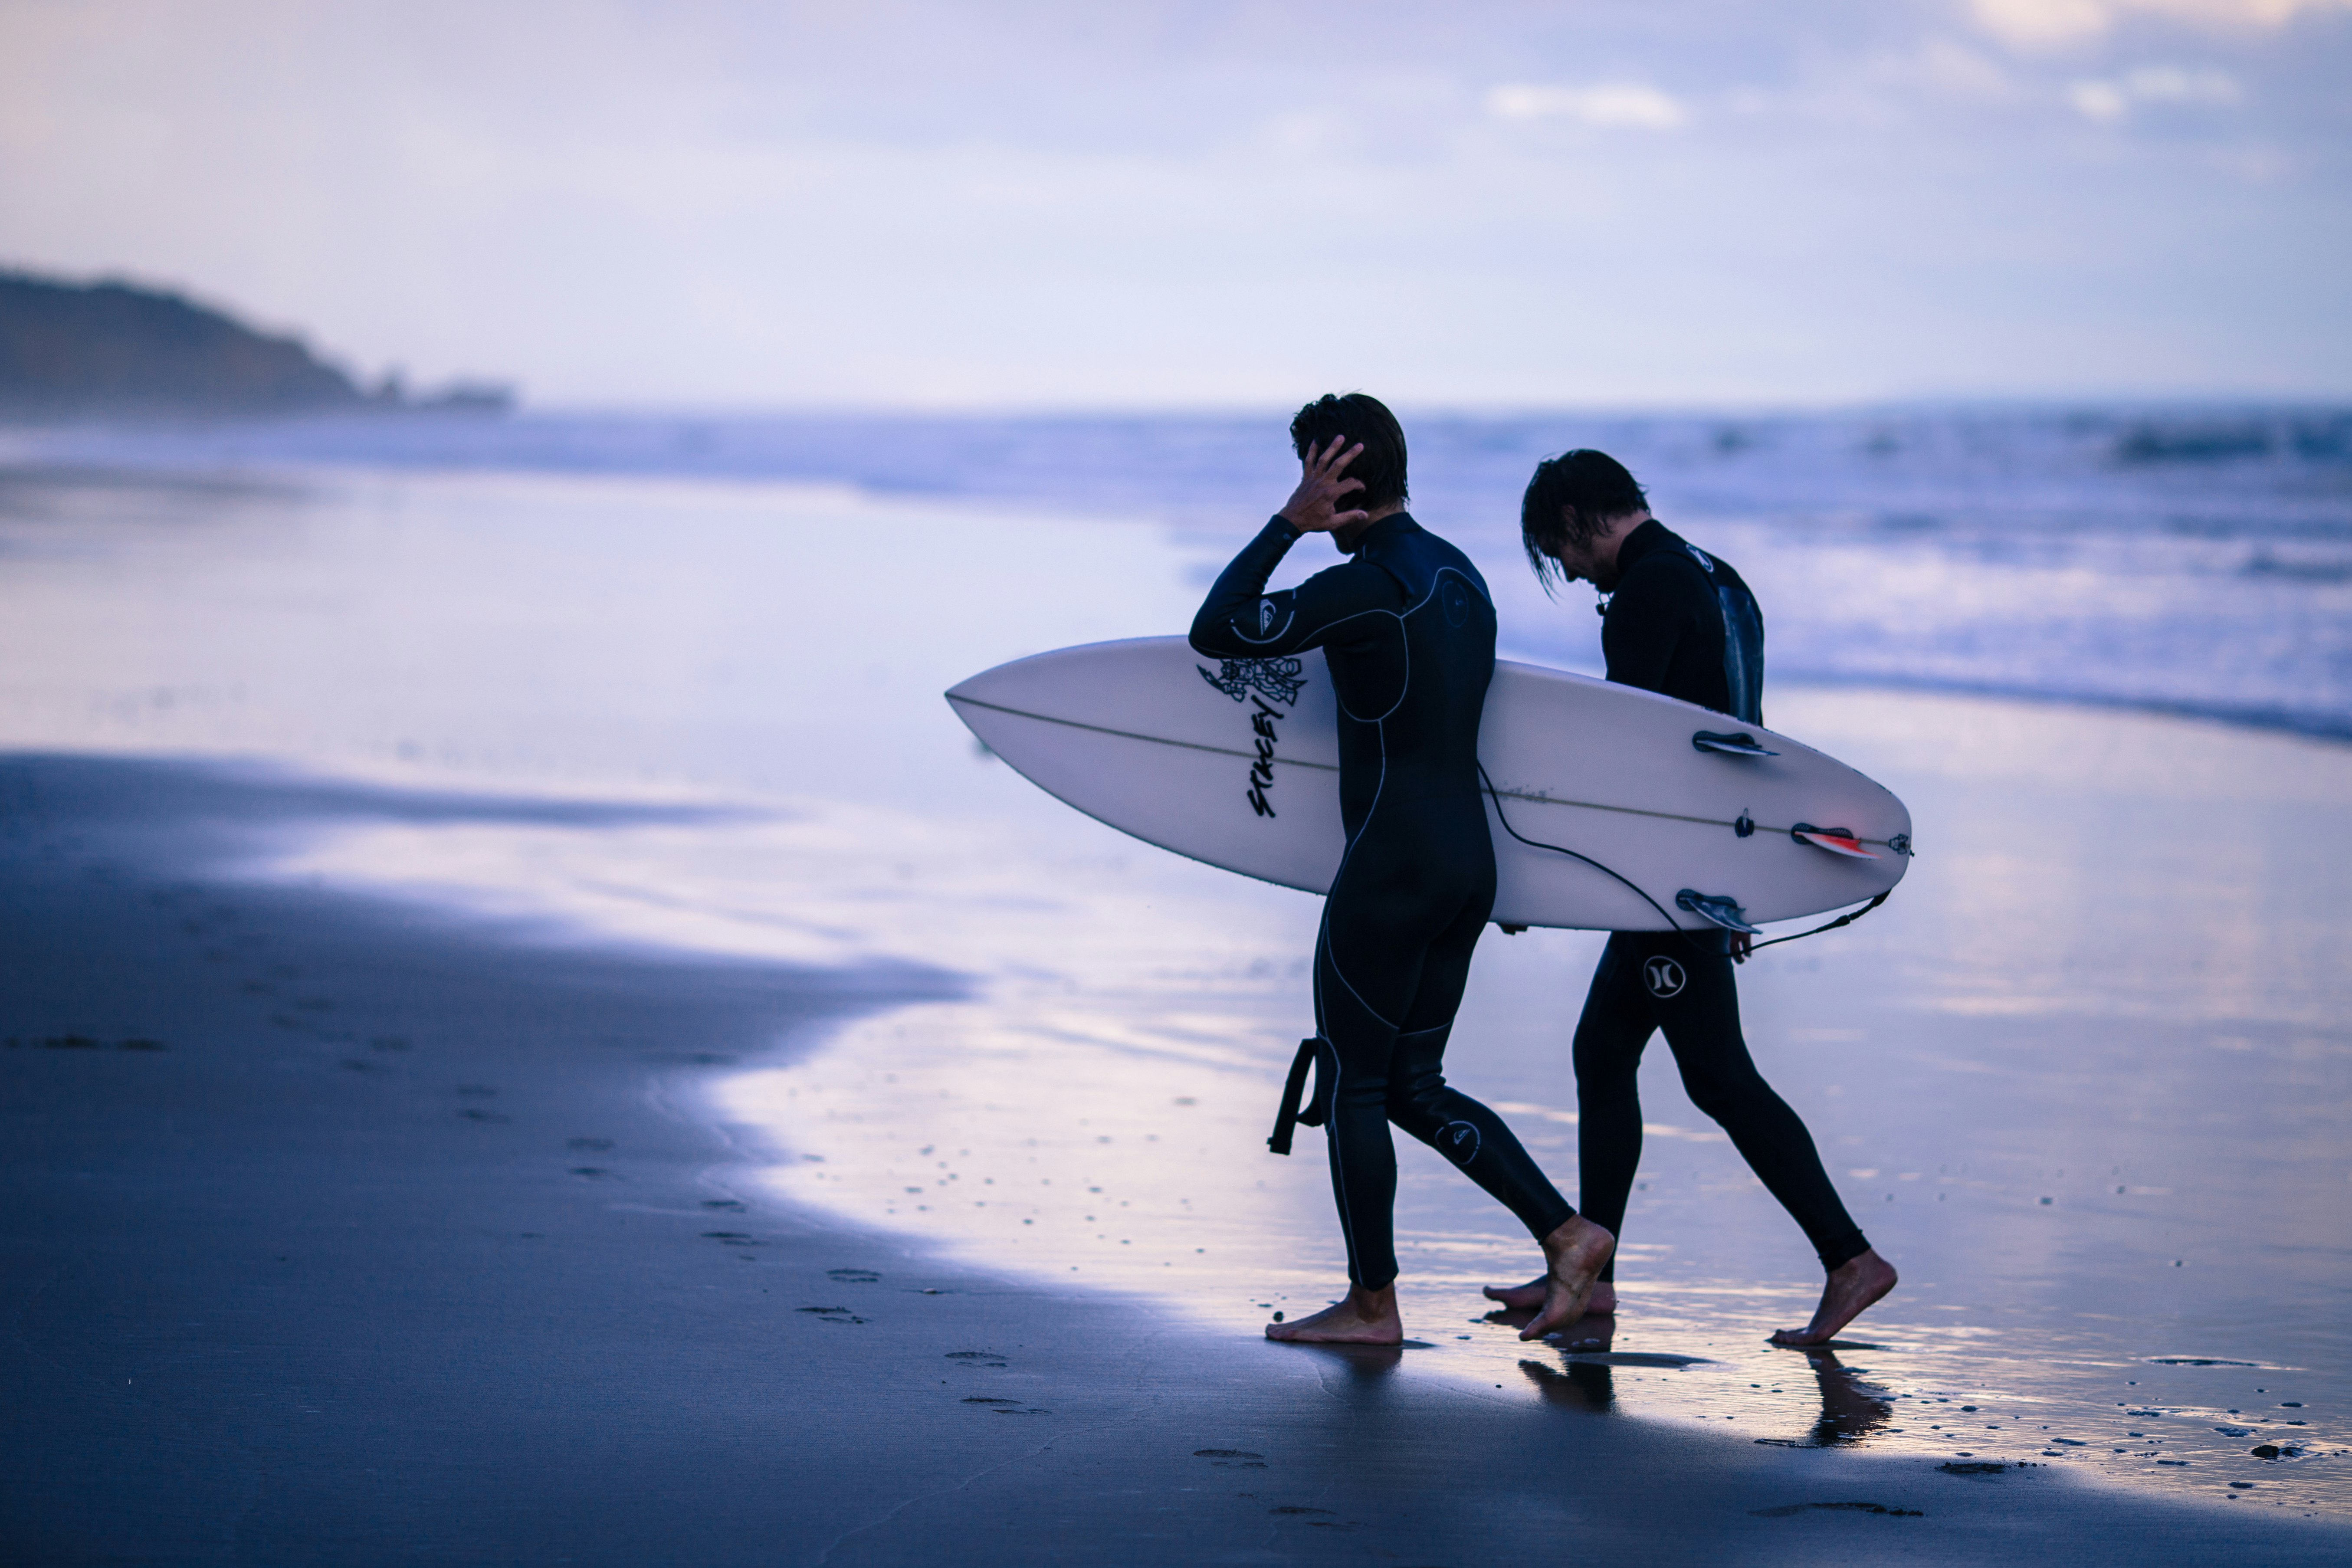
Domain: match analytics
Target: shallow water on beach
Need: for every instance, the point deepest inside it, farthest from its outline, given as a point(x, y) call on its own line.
point(2084, 1079)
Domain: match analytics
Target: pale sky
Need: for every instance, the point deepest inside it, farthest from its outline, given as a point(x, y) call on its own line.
point(1073, 206)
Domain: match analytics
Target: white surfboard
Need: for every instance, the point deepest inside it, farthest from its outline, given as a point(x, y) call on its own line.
point(1236, 762)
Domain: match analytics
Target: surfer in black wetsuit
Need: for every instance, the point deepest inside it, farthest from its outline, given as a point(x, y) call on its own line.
point(1407, 630)
point(1681, 622)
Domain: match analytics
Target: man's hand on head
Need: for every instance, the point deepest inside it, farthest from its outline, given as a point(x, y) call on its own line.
point(1315, 506)
point(1740, 944)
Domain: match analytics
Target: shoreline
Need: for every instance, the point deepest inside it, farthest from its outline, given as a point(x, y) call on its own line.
point(484, 1294)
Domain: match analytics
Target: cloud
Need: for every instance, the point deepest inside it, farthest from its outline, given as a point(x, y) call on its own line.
point(1615, 105)
point(2031, 24)
point(2110, 99)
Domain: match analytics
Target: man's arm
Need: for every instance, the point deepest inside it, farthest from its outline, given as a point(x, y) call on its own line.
point(1241, 620)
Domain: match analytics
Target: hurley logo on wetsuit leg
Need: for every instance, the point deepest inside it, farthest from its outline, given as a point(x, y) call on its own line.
point(1662, 975)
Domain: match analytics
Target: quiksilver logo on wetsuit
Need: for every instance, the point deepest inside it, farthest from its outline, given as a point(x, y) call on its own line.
point(1264, 616)
point(1457, 600)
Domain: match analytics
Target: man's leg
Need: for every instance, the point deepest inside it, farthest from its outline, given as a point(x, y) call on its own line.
point(1365, 969)
point(1473, 1136)
point(1615, 1027)
point(1356, 1017)
point(1478, 1140)
point(1611, 1035)
point(1701, 1019)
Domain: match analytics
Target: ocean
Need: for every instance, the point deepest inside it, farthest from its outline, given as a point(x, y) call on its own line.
point(2185, 559)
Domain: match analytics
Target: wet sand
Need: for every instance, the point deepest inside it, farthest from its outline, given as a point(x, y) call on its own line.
point(336, 1231)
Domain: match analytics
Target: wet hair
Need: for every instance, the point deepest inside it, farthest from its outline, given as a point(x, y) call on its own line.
point(1572, 499)
point(1380, 465)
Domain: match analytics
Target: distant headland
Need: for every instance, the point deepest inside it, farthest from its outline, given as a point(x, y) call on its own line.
point(115, 350)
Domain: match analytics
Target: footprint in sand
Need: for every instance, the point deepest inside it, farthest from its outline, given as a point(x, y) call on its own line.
point(1232, 1458)
point(832, 1314)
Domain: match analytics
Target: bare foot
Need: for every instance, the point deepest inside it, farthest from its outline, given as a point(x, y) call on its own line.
point(1851, 1286)
point(1575, 1252)
point(1602, 1303)
point(1361, 1318)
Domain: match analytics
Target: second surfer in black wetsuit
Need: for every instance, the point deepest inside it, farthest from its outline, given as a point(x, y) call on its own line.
point(1681, 622)
point(1407, 630)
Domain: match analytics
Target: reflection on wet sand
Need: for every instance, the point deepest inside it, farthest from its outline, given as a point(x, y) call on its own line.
point(1583, 1378)
point(1360, 1366)
point(1851, 1409)
point(1582, 1386)
point(1582, 1382)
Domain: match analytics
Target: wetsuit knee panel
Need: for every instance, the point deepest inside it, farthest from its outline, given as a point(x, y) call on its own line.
point(1722, 1091)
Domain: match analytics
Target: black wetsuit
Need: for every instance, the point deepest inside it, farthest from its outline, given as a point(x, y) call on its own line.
point(1682, 622)
point(1408, 630)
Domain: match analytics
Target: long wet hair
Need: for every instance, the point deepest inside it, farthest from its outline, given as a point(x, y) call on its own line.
point(1357, 418)
point(1572, 499)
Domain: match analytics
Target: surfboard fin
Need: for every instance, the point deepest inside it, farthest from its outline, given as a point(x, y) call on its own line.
point(1742, 744)
point(1717, 908)
point(1836, 840)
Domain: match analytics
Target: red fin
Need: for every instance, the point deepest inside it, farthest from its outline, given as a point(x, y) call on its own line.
point(1839, 844)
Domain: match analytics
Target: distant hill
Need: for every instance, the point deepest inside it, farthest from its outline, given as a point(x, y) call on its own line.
point(68, 349)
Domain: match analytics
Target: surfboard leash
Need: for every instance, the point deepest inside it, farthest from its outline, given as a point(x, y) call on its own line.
point(1496, 795)
point(1844, 920)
